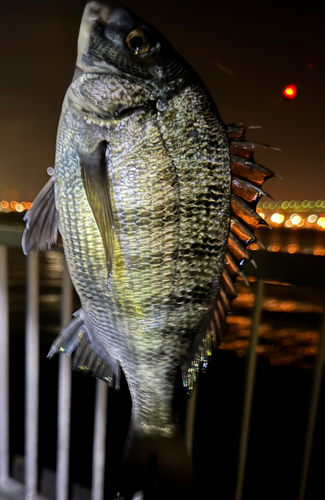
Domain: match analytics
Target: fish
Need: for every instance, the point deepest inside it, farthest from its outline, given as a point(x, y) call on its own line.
point(155, 200)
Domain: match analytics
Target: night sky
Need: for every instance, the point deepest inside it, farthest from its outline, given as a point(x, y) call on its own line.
point(245, 52)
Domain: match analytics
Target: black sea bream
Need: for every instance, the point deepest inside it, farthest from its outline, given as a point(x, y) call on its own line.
point(154, 223)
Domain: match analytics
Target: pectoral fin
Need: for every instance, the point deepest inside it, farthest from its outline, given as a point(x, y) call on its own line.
point(97, 187)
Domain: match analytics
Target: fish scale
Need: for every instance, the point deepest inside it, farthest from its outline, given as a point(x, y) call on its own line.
point(134, 240)
point(156, 201)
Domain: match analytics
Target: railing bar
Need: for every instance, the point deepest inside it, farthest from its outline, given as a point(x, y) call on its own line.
point(64, 402)
point(15, 490)
point(4, 366)
point(190, 419)
point(32, 375)
point(97, 491)
point(249, 389)
point(138, 496)
point(315, 392)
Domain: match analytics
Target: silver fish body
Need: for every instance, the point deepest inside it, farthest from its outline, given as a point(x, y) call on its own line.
point(147, 292)
point(155, 199)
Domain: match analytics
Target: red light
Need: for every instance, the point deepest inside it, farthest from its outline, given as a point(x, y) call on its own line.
point(290, 91)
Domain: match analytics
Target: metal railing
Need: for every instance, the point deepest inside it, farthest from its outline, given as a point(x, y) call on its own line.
point(305, 270)
point(11, 237)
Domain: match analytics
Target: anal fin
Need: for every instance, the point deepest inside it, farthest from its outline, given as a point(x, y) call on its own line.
point(73, 339)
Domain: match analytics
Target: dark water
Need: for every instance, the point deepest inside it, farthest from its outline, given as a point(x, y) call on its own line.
point(288, 343)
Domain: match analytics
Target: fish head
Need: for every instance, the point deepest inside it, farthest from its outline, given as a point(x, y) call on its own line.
point(123, 63)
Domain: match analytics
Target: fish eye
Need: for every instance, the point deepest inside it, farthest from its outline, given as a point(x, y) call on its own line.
point(137, 42)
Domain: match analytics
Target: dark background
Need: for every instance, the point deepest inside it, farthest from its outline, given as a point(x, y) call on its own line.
point(246, 53)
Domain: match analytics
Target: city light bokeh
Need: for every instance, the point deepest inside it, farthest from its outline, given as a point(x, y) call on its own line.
point(14, 206)
point(293, 214)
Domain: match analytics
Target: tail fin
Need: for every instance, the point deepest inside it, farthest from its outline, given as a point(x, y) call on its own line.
point(160, 466)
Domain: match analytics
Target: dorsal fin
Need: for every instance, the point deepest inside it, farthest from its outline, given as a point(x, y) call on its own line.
point(249, 170)
point(246, 190)
point(247, 179)
point(246, 148)
point(42, 221)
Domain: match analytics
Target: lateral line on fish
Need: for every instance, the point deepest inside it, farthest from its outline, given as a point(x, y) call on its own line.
point(178, 217)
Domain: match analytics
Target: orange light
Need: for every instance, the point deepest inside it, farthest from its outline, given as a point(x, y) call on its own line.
point(4, 204)
point(274, 248)
point(277, 218)
point(290, 91)
point(321, 222)
point(29, 205)
point(292, 248)
point(319, 251)
point(295, 219)
point(19, 207)
point(13, 204)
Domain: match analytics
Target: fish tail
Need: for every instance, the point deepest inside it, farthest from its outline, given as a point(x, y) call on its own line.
point(160, 466)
